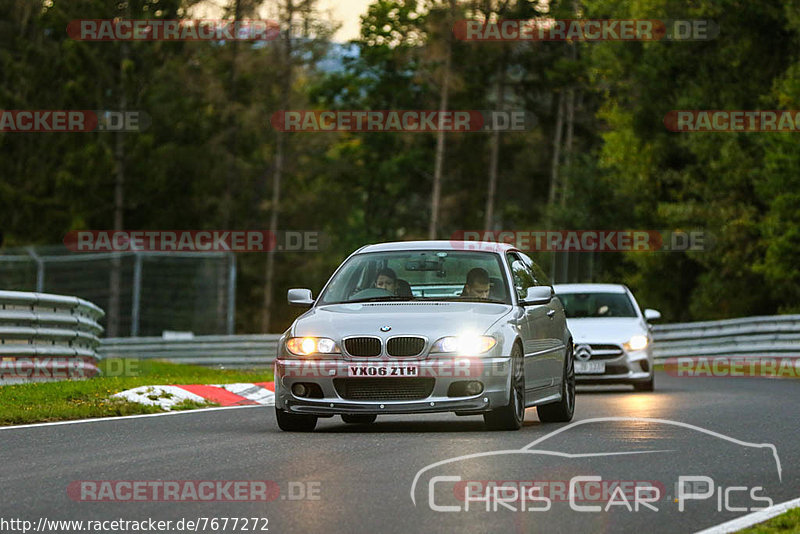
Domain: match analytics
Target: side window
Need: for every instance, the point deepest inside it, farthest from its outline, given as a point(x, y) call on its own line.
point(635, 304)
point(538, 273)
point(523, 277)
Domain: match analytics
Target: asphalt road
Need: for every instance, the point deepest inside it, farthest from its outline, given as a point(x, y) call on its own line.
point(360, 477)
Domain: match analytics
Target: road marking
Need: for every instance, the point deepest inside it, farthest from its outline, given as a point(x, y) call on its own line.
point(117, 418)
point(752, 519)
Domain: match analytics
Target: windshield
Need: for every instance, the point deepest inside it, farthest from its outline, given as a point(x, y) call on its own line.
point(579, 305)
point(419, 275)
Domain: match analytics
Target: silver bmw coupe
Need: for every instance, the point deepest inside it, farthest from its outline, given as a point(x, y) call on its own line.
point(427, 326)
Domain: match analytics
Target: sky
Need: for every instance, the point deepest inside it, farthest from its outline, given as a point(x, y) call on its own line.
point(347, 12)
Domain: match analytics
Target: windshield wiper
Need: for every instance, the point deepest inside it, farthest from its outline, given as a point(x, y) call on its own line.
point(382, 298)
point(474, 299)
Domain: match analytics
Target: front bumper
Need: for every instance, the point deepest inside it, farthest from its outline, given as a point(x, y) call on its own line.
point(626, 368)
point(493, 372)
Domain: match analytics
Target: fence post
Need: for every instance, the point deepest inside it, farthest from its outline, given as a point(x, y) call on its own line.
point(137, 293)
point(39, 268)
point(232, 294)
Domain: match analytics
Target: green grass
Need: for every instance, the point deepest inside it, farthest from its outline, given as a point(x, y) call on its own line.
point(80, 399)
point(786, 523)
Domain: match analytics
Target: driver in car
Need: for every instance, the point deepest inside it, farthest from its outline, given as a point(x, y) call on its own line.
point(477, 285)
point(387, 279)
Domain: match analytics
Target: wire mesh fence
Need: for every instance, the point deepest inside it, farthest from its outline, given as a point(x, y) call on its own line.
point(143, 293)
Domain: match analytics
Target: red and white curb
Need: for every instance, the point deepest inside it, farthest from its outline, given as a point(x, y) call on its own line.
point(242, 394)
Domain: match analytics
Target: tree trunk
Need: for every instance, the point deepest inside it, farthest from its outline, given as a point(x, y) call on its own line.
point(573, 52)
point(115, 277)
point(568, 144)
point(494, 149)
point(227, 201)
point(551, 197)
point(433, 227)
point(223, 292)
point(280, 154)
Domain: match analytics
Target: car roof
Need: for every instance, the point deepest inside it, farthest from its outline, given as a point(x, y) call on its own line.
point(590, 288)
point(396, 246)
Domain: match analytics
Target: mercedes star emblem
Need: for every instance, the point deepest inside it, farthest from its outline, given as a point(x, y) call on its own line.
point(583, 353)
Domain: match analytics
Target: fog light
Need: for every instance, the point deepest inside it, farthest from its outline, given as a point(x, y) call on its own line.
point(473, 388)
point(465, 388)
point(299, 390)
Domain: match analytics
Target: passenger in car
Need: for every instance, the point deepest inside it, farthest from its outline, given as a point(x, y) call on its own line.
point(387, 279)
point(477, 285)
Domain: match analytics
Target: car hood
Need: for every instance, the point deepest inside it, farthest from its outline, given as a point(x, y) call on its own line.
point(430, 319)
point(615, 330)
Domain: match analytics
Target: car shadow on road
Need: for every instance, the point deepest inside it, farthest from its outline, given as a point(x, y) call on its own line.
point(411, 426)
point(617, 390)
point(621, 389)
point(468, 424)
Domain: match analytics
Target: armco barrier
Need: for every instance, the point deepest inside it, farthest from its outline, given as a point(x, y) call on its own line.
point(47, 337)
point(777, 335)
point(749, 336)
point(245, 351)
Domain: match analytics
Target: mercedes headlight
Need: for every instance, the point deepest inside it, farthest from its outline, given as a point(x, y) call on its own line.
point(637, 342)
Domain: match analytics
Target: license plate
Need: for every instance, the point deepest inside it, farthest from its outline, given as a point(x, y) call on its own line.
point(381, 370)
point(590, 367)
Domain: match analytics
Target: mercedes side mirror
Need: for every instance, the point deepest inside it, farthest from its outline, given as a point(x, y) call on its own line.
point(652, 315)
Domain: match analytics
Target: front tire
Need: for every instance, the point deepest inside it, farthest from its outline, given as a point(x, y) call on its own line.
point(563, 410)
point(511, 416)
point(359, 419)
point(290, 422)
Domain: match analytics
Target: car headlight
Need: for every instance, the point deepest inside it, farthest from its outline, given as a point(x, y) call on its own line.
point(465, 345)
point(303, 346)
point(637, 342)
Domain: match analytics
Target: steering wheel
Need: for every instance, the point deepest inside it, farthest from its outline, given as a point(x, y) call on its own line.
point(370, 293)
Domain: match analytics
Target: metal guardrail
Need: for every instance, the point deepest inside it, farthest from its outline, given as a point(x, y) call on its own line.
point(749, 336)
point(777, 335)
point(47, 337)
point(245, 351)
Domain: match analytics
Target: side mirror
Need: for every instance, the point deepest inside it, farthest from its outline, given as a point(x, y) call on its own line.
point(300, 297)
point(652, 315)
point(538, 295)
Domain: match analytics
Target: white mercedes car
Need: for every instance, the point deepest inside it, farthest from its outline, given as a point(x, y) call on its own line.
point(612, 335)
